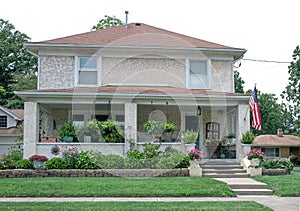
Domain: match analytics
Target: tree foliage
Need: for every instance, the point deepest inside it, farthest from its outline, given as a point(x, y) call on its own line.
point(107, 22)
point(238, 83)
point(271, 114)
point(16, 63)
point(292, 91)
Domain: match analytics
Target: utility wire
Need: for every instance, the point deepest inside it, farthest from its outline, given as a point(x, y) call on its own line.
point(269, 61)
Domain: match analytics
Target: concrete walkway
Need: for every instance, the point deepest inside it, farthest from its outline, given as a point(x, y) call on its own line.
point(273, 202)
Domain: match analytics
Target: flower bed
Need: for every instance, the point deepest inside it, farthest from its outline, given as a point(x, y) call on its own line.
point(24, 173)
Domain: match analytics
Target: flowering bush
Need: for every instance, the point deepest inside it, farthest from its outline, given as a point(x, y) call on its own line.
point(70, 155)
point(255, 153)
point(195, 154)
point(38, 157)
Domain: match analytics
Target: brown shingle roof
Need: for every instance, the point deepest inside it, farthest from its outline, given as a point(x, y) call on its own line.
point(136, 35)
point(18, 112)
point(167, 90)
point(276, 141)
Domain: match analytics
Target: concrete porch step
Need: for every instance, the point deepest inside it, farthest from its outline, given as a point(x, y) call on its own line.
point(248, 186)
point(253, 191)
point(224, 171)
point(228, 175)
point(221, 166)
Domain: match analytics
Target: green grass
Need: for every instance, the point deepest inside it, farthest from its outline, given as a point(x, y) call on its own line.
point(285, 185)
point(113, 187)
point(297, 168)
point(145, 206)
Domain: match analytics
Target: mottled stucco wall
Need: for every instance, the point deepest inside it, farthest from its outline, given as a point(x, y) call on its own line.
point(221, 76)
point(143, 71)
point(56, 72)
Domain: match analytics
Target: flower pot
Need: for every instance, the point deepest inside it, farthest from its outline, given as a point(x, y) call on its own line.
point(246, 148)
point(38, 164)
point(254, 162)
point(195, 170)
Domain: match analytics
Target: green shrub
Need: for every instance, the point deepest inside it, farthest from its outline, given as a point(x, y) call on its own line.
point(190, 137)
point(135, 154)
point(111, 132)
point(151, 150)
point(9, 160)
point(24, 164)
point(248, 138)
point(133, 163)
point(70, 156)
point(172, 160)
point(84, 162)
point(111, 162)
point(56, 163)
point(278, 163)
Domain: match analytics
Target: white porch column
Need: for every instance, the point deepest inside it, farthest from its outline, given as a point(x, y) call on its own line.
point(242, 127)
point(31, 131)
point(130, 125)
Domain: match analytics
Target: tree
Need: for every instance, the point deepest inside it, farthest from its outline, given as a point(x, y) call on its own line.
point(238, 83)
point(14, 60)
point(107, 22)
point(271, 114)
point(292, 91)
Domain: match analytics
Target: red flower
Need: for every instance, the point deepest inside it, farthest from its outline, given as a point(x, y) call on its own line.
point(38, 157)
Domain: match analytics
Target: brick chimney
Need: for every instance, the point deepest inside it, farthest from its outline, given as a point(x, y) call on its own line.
point(279, 132)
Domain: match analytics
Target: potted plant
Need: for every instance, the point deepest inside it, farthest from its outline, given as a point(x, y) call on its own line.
point(90, 131)
point(169, 127)
point(247, 140)
point(67, 132)
point(154, 128)
point(231, 137)
point(189, 139)
point(255, 156)
point(111, 132)
point(38, 161)
point(195, 157)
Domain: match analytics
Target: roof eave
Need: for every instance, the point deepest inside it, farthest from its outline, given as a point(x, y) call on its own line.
point(34, 47)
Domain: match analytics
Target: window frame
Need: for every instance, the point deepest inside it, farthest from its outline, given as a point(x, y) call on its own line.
point(188, 73)
point(78, 70)
point(263, 149)
point(6, 123)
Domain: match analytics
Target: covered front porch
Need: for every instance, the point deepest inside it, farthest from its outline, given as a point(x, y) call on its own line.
point(213, 117)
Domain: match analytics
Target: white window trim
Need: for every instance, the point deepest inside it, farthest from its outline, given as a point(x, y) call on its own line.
point(76, 76)
point(187, 64)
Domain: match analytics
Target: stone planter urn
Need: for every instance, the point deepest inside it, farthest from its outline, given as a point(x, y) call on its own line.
point(254, 162)
point(38, 164)
point(195, 169)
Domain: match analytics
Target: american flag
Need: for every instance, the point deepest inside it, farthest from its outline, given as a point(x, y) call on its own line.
point(253, 103)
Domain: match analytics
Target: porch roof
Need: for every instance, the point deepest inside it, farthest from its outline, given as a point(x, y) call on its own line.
point(163, 92)
point(276, 141)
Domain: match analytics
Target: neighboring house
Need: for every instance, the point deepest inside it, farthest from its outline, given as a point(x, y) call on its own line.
point(278, 145)
point(133, 74)
point(10, 119)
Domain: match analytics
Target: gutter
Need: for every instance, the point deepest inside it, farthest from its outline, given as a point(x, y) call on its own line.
point(233, 50)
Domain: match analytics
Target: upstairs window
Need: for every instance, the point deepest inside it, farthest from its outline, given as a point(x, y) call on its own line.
point(3, 121)
point(88, 71)
point(198, 75)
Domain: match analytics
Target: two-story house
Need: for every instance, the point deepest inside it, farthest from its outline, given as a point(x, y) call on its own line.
point(10, 120)
point(133, 74)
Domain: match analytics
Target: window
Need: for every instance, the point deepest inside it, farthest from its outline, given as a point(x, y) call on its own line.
point(88, 71)
point(198, 75)
point(101, 118)
point(78, 119)
point(3, 121)
point(213, 131)
point(121, 120)
point(271, 152)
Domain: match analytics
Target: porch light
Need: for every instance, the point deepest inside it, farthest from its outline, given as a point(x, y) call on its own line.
point(199, 111)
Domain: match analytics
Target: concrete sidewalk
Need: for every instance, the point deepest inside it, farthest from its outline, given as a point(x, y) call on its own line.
point(273, 202)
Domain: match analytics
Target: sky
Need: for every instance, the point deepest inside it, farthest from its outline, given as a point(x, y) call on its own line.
point(267, 29)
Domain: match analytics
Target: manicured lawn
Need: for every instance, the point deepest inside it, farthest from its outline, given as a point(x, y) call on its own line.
point(134, 206)
point(113, 187)
point(297, 168)
point(285, 185)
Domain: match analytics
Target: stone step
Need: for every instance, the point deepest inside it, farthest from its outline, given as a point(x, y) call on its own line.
point(221, 166)
point(236, 175)
point(224, 171)
point(248, 186)
point(253, 191)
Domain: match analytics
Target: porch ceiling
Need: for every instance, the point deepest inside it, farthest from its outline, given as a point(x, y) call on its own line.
point(119, 94)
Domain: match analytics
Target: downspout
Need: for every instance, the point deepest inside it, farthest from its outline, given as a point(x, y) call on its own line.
point(38, 70)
